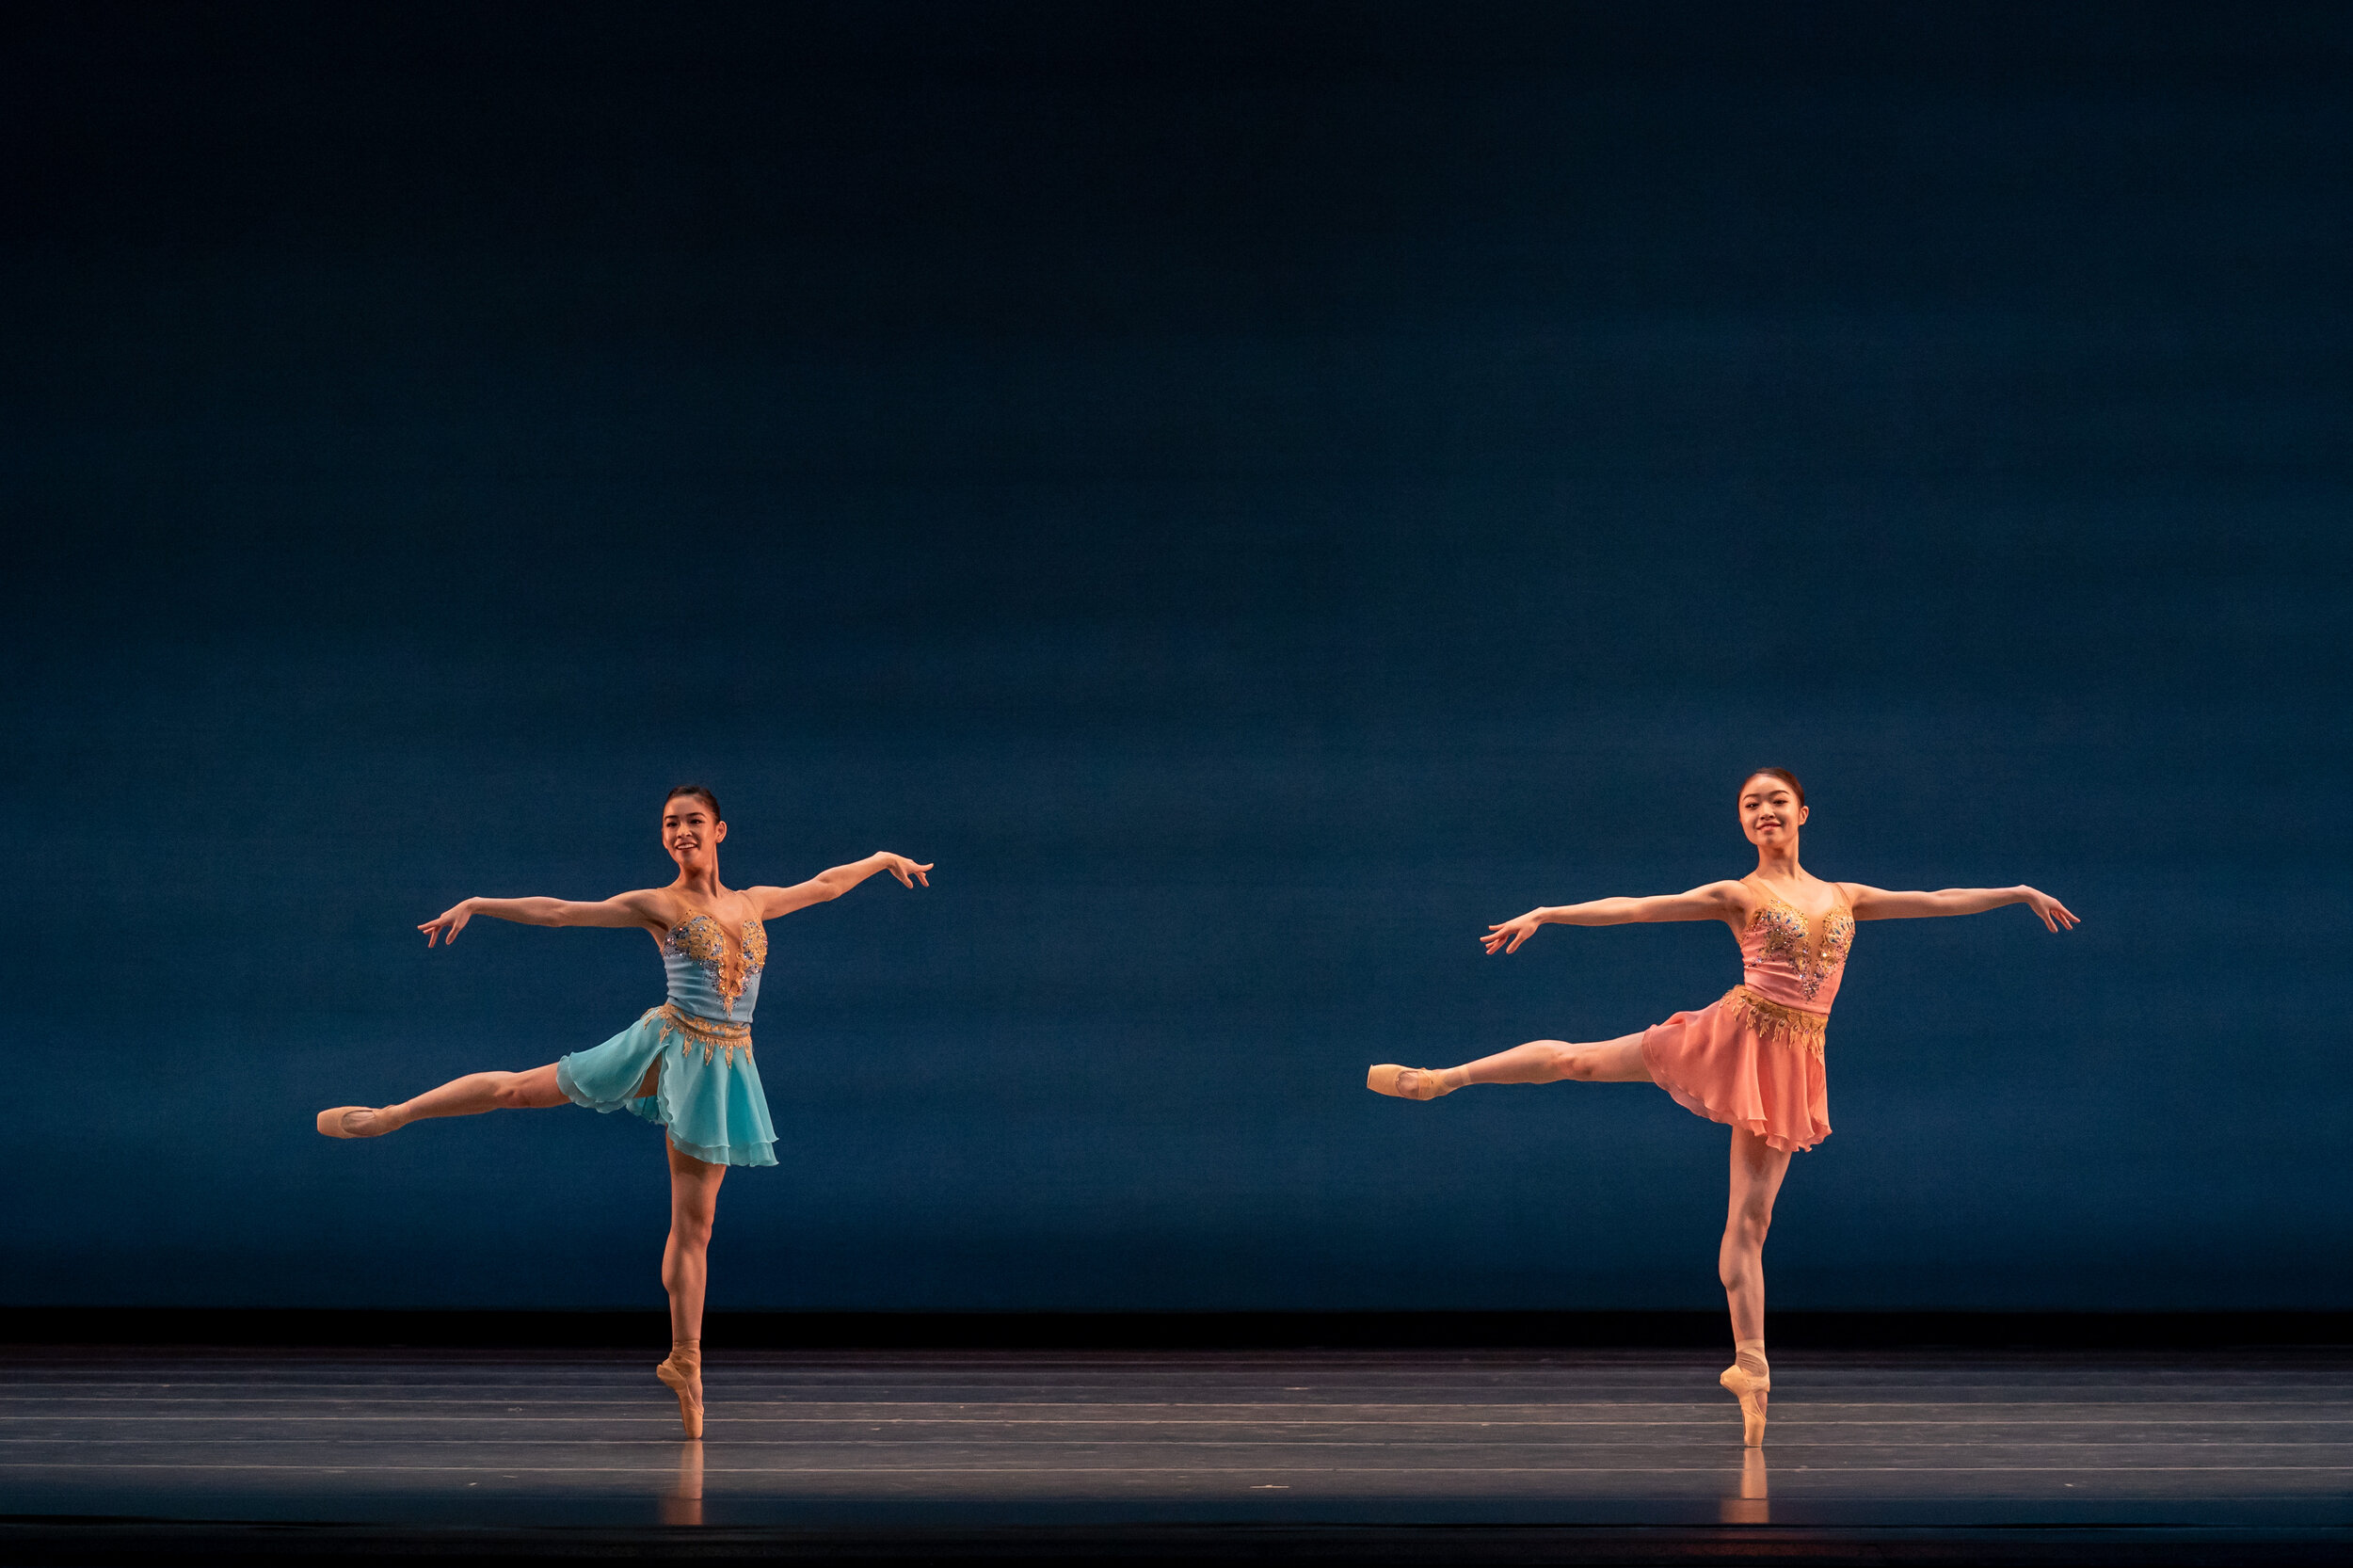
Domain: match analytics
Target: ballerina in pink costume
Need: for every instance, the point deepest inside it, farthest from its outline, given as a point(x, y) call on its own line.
point(1751, 1059)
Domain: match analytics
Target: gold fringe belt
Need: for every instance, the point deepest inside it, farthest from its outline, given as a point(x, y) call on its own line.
point(1792, 1026)
point(715, 1036)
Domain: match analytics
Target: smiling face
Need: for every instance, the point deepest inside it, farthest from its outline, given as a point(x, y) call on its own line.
point(1770, 813)
point(690, 833)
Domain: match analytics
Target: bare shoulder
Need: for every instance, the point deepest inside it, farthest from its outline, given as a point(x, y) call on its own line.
point(1857, 897)
point(767, 902)
point(1734, 899)
point(657, 909)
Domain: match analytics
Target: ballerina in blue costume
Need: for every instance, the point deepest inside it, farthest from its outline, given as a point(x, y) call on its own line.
point(686, 1063)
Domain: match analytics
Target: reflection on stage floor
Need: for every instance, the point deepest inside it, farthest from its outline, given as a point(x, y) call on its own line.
point(961, 1441)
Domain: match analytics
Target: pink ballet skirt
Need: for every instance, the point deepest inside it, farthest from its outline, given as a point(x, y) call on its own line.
point(1754, 1057)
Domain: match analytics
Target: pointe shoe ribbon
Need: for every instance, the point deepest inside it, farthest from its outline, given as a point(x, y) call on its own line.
point(1384, 1080)
point(1751, 1392)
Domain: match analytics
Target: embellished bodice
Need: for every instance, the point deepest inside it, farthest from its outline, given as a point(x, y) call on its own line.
point(1786, 959)
point(713, 972)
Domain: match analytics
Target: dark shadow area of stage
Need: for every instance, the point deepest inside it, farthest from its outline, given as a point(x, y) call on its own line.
point(1963, 1450)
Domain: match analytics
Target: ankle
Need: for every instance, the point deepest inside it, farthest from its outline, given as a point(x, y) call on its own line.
point(1748, 1356)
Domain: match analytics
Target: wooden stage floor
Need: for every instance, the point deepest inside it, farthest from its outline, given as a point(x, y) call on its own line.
point(124, 1455)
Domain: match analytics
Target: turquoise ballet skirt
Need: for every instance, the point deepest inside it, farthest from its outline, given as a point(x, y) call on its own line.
point(696, 1047)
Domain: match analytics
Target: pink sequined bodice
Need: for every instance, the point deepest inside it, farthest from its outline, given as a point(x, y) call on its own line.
point(1787, 960)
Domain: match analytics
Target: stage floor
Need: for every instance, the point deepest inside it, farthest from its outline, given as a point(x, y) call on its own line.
point(953, 1446)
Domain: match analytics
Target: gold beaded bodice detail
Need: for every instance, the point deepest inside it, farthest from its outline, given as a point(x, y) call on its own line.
point(1781, 936)
point(703, 939)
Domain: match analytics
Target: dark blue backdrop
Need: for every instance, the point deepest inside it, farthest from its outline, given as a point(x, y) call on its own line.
point(1255, 497)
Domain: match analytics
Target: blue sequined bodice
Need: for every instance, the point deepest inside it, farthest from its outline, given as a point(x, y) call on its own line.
point(711, 975)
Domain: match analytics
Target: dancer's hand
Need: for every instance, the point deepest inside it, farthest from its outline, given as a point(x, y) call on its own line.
point(449, 923)
point(906, 870)
point(2055, 914)
point(1511, 934)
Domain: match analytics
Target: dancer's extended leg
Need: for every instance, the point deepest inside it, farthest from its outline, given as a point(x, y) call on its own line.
point(1618, 1061)
point(470, 1095)
point(1756, 1171)
point(685, 1267)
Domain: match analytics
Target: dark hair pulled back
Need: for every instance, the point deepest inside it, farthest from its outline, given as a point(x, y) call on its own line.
point(696, 791)
point(1783, 773)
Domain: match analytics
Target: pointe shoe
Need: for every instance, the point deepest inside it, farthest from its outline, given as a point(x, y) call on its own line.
point(1384, 1080)
point(682, 1381)
point(1752, 1392)
point(331, 1123)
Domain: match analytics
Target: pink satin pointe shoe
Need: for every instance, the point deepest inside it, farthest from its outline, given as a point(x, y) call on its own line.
point(1752, 1392)
point(682, 1373)
point(331, 1123)
point(1385, 1080)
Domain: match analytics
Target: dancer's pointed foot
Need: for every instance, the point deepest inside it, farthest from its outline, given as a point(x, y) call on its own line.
point(1752, 1391)
point(684, 1374)
point(1408, 1083)
point(355, 1121)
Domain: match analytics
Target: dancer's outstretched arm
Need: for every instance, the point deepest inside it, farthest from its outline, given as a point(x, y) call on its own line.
point(1878, 903)
point(834, 881)
point(642, 908)
point(1714, 900)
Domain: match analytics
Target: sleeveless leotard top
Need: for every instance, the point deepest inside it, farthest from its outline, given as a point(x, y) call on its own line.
point(1785, 960)
point(711, 976)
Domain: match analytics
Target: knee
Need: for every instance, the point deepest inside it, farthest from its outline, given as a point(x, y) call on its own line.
point(1740, 1257)
point(1579, 1063)
point(1569, 1063)
point(1746, 1233)
point(511, 1091)
point(693, 1230)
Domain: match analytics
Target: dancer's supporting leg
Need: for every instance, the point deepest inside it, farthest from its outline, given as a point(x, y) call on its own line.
point(1756, 1171)
point(1618, 1061)
point(685, 1265)
point(470, 1095)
